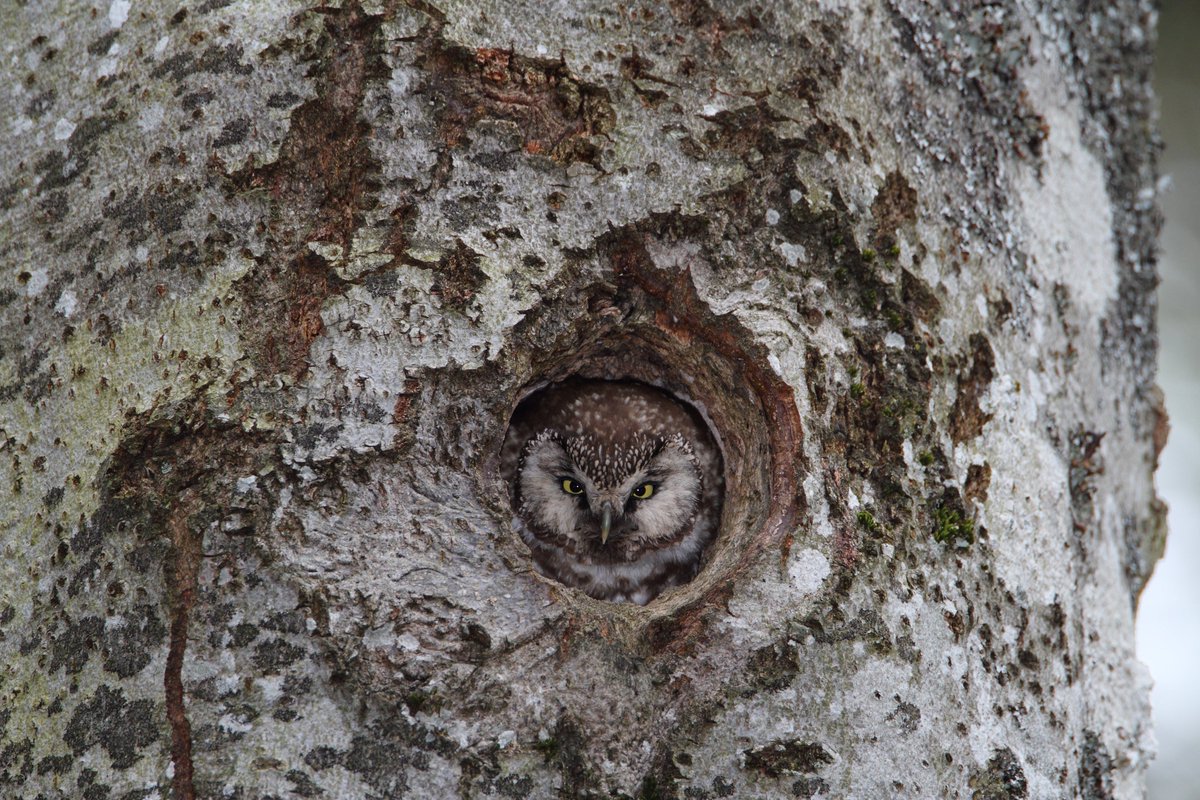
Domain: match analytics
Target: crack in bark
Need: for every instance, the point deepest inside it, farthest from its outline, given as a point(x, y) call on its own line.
point(173, 505)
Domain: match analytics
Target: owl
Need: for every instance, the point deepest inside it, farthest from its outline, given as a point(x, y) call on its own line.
point(617, 487)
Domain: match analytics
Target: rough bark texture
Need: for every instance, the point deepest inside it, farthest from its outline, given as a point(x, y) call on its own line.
point(276, 275)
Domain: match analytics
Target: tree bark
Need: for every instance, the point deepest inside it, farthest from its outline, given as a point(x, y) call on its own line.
point(278, 275)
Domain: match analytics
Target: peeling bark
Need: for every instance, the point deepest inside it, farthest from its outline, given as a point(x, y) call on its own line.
point(280, 277)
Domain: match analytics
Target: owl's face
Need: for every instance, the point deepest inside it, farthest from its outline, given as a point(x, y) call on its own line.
point(609, 502)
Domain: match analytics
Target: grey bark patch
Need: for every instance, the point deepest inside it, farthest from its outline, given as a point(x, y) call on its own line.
point(194, 100)
point(283, 100)
point(121, 727)
point(54, 207)
point(185, 256)
point(1113, 67)
point(867, 627)
point(87, 133)
point(234, 132)
point(40, 103)
point(978, 43)
point(29, 362)
point(105, 328)
point(53, 497)
point(810, 786)
point(824, 135)
point(790, 755)
point(916, 296)
point(216, 60)
point(91, 789)
point(1095, 768)
point(16, 762)
point(326, 177)
point(9, 193)
point(127, 647)
point(276, 654)
point(101, 45)
point(321, 758)
point(54, 764)
point(379, 763)
point(302, 784)
point(244, 634)
point(148, 555)
point(771, 668)
point(207, 689)
point(57, 169)
point(722, 786)
point(73, 646)
point(1003, 779)
point(744, 129)
point(514, 786)
point(310, 436)
point(906, 715)
point(158, 210)
point(37, 387)
point(176, 66)
point(459, 277)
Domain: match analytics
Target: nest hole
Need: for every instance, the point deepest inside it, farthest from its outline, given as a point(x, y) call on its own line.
point(711, 366)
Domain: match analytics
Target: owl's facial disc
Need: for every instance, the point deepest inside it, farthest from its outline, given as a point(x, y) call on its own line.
point(646, 490)
point(664, 511)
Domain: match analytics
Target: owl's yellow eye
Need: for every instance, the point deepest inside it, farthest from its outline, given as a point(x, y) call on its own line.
point(644, 491)
point(572, 486)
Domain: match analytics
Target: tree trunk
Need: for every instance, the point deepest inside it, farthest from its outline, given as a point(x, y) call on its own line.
point(278, 276)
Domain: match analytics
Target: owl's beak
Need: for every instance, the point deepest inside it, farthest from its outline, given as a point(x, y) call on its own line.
point(606, 515)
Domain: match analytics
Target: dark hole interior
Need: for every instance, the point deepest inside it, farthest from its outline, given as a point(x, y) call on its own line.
point(711, 382)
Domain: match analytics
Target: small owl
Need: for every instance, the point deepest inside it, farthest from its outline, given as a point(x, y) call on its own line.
point(617, 487)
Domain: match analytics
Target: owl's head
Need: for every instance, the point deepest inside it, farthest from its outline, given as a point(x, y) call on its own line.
point(611, 500)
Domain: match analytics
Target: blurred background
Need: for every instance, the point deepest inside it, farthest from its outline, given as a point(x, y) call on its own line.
point(1169, 612)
